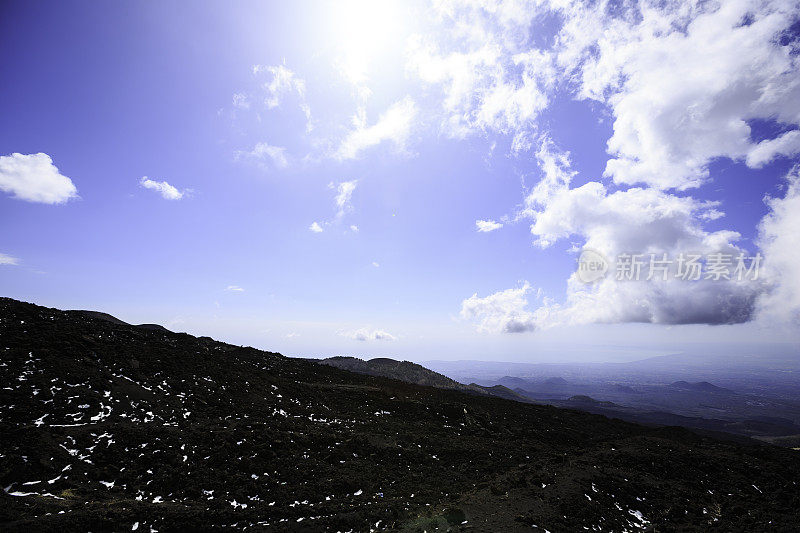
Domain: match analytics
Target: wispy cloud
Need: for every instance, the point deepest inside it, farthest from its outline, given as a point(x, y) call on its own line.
point(241, 101)
point(393, 126)
point(167, 191)
point(485, 226)
point(8, 260)
point(282, 81)
point(344, 191)
point(34, 178)
point(265, 155)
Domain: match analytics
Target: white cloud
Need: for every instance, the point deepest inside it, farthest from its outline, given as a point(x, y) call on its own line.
point(265, 154)
point(682, 81)
point(234, 288)
point(241, 101)
point(344, 192)
point(8, 260)
point(34, 178)
point(485, 226)
point(641, 221)
point(779, 239)
point(489, 78)
point(167, 191)
point(366, 334)
point(394, 126)
point(635, 221)
point(282, 81)
point(502, 312)
point(277, 84)
point(787, 145)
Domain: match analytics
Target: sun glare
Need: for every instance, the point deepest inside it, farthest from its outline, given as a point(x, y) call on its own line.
point(363, 31)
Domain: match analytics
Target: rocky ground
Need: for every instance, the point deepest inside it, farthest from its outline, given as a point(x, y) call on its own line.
point(107, 426)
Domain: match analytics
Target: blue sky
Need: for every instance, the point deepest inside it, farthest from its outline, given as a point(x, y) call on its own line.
point(204, 144)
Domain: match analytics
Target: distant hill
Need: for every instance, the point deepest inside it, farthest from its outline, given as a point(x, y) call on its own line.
point(155, 327)
point(626, 389)
point(583, 400)
point(700, 386)
point(514, 382)
point(402, 370)
point(115, 320)
point(523, 384)
point(101, 316)
point(416, 374)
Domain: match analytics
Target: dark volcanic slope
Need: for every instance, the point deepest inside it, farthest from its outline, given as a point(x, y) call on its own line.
point(106, 426)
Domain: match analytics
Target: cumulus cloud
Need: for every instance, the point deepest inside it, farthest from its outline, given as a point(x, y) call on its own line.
point(393, 126)
point(502, 312)
point(634, 221)
point(167, 191)
point(685, 84)
point(683, 81)
point(34, 178)
point(366, 334)
point(6, 259)
point(265, 155)
point(779, 239)
point(485, 226)
point(315, 227)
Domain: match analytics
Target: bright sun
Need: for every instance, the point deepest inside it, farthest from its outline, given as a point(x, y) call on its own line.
point(364, 30)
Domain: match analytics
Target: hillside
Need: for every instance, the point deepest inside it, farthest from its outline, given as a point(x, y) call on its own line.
point(416, 374)
point(402, 370)
point(106, 426)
